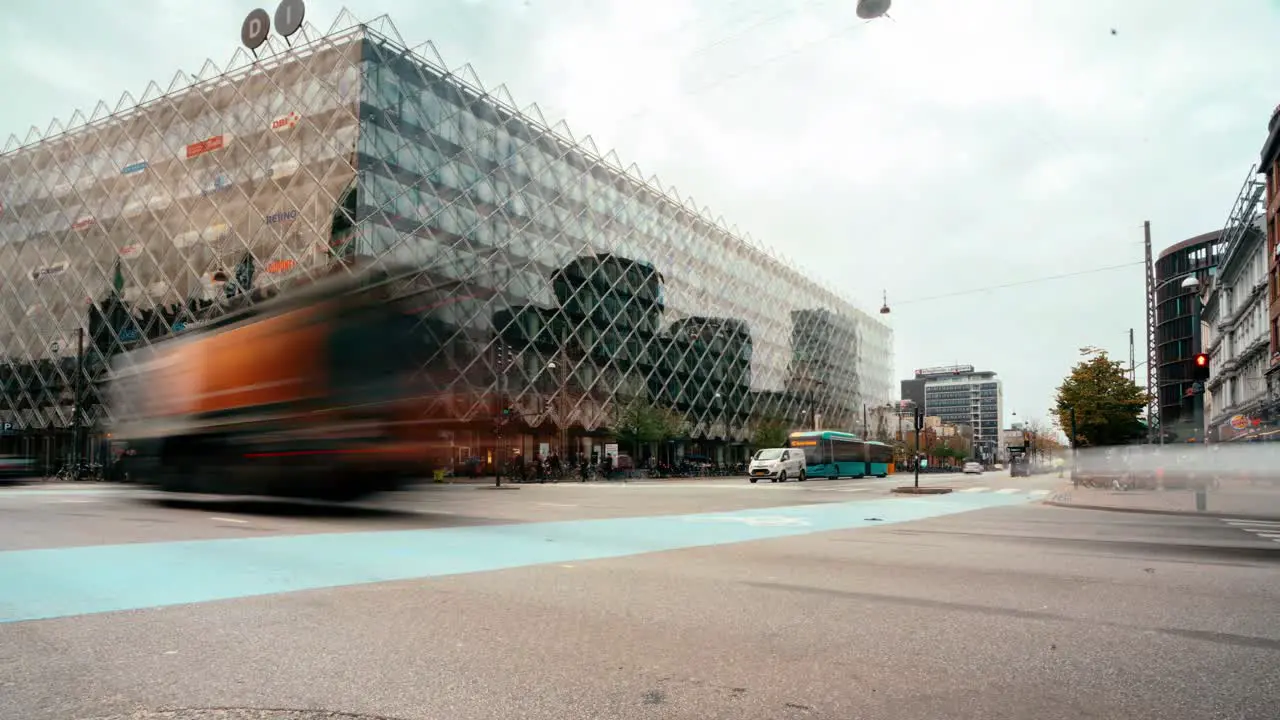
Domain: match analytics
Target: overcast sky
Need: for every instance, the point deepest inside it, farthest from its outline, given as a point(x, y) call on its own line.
point(960, 146)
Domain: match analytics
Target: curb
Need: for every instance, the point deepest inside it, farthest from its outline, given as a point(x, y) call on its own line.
point(1152, 511)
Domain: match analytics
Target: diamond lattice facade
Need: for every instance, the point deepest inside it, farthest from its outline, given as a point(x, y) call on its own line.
point(555, 282)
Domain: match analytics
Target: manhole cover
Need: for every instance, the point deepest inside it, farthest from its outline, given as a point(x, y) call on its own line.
point(239, 714)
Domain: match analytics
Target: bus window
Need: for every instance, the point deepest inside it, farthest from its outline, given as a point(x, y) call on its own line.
point(848, 452)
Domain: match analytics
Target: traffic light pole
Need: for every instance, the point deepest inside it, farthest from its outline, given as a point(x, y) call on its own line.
point(1199, 376)
point(919, 418)
point(1197, 347)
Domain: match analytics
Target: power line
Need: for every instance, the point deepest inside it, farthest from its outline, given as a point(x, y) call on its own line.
point(741, 71)
point(1031, 281)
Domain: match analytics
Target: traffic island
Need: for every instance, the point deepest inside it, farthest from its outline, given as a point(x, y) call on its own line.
point(911, 490)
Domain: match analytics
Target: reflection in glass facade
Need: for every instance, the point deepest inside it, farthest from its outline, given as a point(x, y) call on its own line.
point(552, 281)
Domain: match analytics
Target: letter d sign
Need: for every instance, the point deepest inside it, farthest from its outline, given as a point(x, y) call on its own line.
point(255, 29)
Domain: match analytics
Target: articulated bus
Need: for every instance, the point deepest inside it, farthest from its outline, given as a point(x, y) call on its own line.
point(831, 454)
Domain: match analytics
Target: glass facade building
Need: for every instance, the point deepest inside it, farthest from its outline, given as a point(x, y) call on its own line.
point(553, 282)
point(1175, 322)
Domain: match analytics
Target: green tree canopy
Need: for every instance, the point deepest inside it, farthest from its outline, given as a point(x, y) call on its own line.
point(769, 434)
point(638, 422)
point(1107, 404)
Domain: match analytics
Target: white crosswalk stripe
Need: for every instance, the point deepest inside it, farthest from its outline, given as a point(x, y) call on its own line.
point(975, 489)
point(1263, 529)
point(1038, 493)
point(1008, 491)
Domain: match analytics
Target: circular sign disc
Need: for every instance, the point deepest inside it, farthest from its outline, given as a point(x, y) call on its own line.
point(289, 16)
point(253, 32)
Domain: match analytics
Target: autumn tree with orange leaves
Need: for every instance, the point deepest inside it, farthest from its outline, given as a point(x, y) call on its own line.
point(1107, 403)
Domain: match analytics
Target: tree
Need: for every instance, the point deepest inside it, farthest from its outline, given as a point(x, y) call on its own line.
point(638, 423)
point(670, 424)
point(769, 434)
point(1045, 440)
point(1107, 404)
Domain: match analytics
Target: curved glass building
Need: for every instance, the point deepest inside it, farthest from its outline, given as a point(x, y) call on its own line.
point(1195, 257)
point(556, 286)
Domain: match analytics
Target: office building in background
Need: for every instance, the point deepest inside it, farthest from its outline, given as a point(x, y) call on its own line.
point(961, 395)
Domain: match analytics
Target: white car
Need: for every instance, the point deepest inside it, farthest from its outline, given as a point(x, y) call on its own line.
point(777, 464)
point(972, 468)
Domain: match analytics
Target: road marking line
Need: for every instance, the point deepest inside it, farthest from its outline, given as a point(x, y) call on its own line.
point(1259, 523)
point(975, 489)
point(1259, 533)
point(548, 504)
point(1008, 491)
point(230, 520)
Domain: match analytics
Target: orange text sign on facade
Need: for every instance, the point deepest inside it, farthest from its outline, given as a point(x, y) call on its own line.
point(197, 149)
point(280, 266)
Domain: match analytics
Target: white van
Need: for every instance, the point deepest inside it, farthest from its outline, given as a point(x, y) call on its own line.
point(777, 464)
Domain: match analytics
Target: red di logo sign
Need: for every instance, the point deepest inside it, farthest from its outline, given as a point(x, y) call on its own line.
point(286, 122)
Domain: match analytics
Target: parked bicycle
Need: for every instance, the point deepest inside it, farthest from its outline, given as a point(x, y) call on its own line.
point(82, 472)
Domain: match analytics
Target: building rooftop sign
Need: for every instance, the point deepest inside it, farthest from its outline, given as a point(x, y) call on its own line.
point(944, 370)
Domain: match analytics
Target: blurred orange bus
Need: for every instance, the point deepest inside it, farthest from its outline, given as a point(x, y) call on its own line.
point(307, 394)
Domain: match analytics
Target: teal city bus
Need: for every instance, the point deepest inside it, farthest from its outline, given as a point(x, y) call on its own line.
point(879, 456)
point(830, 454)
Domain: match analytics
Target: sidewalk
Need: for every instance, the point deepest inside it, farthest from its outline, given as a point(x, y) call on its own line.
point(1237, 500)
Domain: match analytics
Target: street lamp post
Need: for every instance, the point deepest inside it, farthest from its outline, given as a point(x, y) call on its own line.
point(1192, 283)
point(558, 407)
point(77, 410)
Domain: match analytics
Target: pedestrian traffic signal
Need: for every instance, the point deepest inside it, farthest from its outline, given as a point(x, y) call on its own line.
point(1200, 366)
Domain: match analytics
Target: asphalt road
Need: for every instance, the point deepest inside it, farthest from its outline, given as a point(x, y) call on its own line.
point(669, 599)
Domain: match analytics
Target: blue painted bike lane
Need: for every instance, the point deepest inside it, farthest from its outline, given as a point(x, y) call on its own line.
point(62, 582)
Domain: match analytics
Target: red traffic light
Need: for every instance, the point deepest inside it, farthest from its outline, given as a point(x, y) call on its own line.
point(1202, 360)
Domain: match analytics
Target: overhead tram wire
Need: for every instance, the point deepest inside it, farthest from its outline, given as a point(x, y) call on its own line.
point(1018, 283)
point(746, 69)
point(743, 30)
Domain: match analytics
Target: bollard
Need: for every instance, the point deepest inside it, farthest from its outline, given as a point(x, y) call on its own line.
point(1202, 500)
